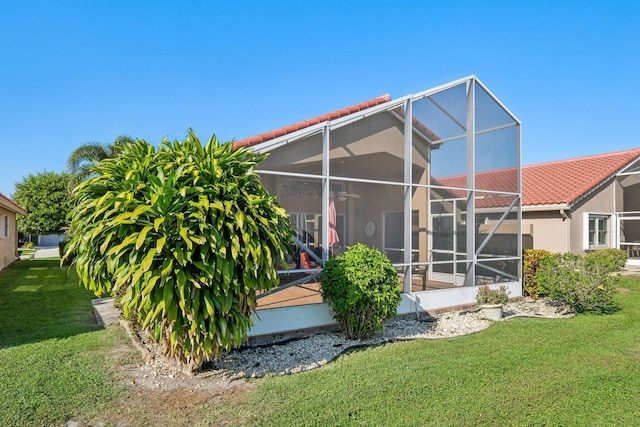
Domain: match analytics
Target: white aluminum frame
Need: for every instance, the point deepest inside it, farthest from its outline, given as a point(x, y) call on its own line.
point(406, 103)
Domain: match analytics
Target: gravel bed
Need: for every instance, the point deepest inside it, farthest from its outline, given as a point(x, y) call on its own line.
point(309, 353)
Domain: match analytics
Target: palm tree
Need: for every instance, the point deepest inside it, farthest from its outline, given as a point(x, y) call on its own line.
point(89, 154)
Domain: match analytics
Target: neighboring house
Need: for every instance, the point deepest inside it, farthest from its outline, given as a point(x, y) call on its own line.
point(574, 205)
point(584, 204)
point(8, 230)
point(384, 162)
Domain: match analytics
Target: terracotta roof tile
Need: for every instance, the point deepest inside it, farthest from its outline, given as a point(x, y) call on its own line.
point(257, 139)
point(566, 181)
point(551, 183)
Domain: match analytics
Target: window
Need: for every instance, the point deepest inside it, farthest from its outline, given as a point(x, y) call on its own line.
point(598, 231)
point(4, 226)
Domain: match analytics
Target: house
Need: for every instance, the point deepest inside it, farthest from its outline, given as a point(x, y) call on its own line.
point(8, 230)
point(583, 204)
point(379, 170)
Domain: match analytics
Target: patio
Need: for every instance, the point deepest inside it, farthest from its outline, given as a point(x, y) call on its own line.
point(406, 176)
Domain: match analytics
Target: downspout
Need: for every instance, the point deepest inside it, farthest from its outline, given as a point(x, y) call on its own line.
point(567, 239)
point(563, 215)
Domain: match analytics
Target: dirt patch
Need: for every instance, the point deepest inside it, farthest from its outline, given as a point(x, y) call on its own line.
point(145, 371)
point(623, 290)
point(159, 394)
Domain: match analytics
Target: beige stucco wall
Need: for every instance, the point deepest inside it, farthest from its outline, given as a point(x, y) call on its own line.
point(549, 230)
point(8, 245)
point(601, 201)
point(371, 148)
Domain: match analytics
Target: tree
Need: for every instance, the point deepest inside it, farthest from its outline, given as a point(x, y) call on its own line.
point(186, 235)
point(46, 199)
point(89, 154)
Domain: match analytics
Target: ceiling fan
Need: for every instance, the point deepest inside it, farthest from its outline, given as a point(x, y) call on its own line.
point(341, 196)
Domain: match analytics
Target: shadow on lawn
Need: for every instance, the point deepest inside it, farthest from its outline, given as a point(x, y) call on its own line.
point(39, 301)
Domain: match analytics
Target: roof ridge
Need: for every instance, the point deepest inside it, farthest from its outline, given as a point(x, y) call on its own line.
point(11, 202)
point(266, 136)
point(591, 156)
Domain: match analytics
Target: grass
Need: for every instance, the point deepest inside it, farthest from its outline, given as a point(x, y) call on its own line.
point(55, 366)
point(582, 371)
point(53, 356)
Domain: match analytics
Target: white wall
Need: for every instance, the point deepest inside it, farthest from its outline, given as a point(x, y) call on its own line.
point(50, 239)
point(290, 319)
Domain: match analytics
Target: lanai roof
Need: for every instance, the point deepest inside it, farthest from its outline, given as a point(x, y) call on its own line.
point(561, 182)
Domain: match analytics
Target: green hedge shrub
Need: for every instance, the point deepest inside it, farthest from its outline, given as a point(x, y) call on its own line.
point(186, 235)
point(363, 289)
point(530, 265)
point(61, 250)
point(586, 287)
point(612, 259)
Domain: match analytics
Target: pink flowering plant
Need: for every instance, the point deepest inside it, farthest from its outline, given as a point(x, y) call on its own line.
point(488, 296)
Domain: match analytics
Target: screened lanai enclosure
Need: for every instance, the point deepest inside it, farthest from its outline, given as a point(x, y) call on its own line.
point(432, 180)
point(628, 212)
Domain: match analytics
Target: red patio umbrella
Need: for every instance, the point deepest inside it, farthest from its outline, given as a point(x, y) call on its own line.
point(333, 233)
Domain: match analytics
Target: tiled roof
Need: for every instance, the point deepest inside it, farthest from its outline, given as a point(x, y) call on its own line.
point(248, 142)
point(561, 182)
point(551, 183)
point(566, 181)
point(495, 180)
point(9, 204)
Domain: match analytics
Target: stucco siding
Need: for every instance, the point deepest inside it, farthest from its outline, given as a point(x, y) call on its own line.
point(8, 245)
point(549, 230)
point(599, 202)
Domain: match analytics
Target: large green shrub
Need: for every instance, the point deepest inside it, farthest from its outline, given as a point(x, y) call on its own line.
point(612, 259)
point(61, 250)
point(531, 264)
point(583, 286)
point(363, 289)
point(46, 199)
point(186, 235)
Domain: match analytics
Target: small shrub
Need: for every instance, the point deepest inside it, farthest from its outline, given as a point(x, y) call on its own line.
point(30, 245)
point(586, 287)
point(363, 289)
point(531, 264)
point(488, 296)
point(612, 259)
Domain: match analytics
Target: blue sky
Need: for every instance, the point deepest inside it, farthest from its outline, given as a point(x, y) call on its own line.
point(78, 71)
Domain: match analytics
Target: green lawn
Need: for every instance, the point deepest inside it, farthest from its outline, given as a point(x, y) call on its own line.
point(582, 371)
point(55, 365)
point(53, 362)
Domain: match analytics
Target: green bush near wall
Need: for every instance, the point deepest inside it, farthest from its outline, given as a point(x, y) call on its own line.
point(611, 259)
point(585, 285)
point(531, 264)
point(363, 289)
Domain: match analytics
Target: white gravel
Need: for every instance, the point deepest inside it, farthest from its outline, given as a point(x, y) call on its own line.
point(315, 351)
